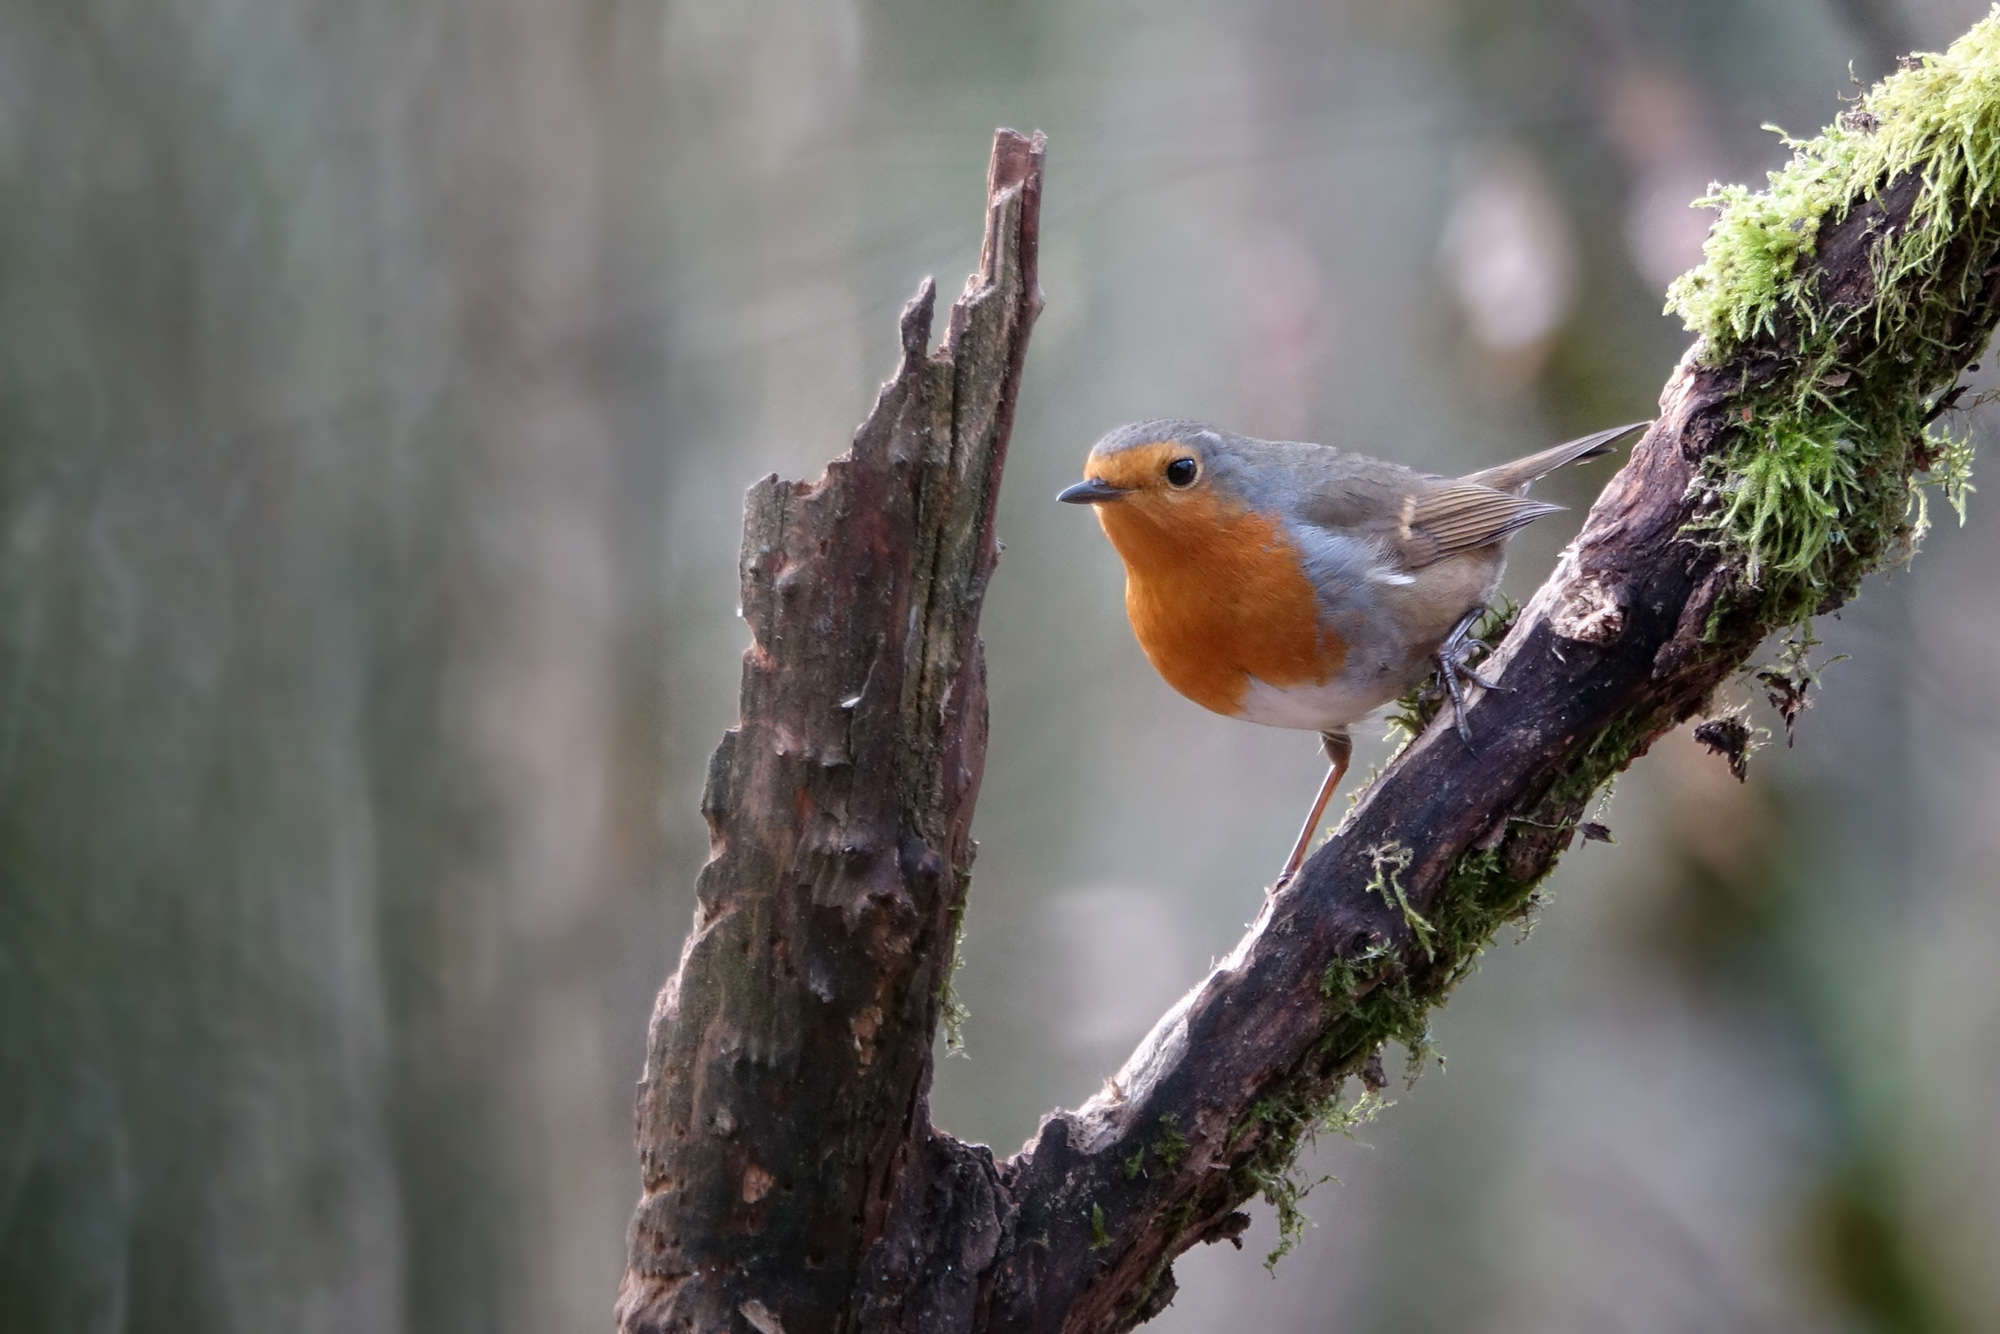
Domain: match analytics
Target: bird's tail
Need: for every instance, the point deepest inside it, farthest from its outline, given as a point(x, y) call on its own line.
point(1516, 475)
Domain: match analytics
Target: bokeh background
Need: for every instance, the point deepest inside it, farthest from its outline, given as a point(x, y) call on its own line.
point(379, 382)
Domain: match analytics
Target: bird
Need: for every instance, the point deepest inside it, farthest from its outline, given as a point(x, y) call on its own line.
point(1304, 586)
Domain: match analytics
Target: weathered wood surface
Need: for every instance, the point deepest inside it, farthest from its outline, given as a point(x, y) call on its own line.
point(792, 1178)
point(790, 1056)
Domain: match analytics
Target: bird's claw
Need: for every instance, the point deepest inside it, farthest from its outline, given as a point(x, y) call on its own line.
point(1448, 670)
point(1452, 667)
point(1472, 674)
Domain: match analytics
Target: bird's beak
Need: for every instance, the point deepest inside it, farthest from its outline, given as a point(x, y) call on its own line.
point(1090, 491)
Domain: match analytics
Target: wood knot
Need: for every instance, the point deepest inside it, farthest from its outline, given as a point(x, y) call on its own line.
point(1589, 613)
point(757, 1183)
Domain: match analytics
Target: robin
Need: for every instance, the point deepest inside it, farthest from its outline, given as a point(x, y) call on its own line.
point(1304, 586)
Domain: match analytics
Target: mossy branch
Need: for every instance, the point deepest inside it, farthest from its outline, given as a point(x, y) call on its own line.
point(1835, 312)
point(1825, 478)
point(1795, 440)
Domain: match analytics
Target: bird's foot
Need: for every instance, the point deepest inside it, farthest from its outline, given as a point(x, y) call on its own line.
point(1453, 666)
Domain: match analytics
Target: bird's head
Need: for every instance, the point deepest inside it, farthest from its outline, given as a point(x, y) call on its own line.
point(1155, 467)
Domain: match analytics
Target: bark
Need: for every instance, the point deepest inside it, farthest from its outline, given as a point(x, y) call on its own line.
point(792, 1178)
point(782, 1119)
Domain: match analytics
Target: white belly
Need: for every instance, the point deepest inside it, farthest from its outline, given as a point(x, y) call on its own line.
point(1320, 708)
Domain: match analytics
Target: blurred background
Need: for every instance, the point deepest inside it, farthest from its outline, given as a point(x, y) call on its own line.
point(379, 383)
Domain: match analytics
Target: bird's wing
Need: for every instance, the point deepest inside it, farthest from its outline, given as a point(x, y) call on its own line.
point(1389, 521)
point(1387, 518)
point(1444, 518)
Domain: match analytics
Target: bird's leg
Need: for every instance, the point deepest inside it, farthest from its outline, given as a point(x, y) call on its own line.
point(1452, 665)
point(1457, 645)
point(1339, 747)
point(1449, 671)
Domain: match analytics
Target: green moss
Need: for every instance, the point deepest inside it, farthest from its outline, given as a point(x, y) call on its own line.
point(1478, 896)
point(1171, 1144)
point(1375, 1003)
point(1376, 997)
point(1342, 981)
point(1283, 1191)
point(1824, 479)
point(1389, 861)
point(1939, 117)
point(1099, 1236)
point(1288, 1124)
point(1169, 1147)
point(1787, 501)
point(1394, 1011)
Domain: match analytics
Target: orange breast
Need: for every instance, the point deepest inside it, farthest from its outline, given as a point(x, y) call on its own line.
point(1217, 596)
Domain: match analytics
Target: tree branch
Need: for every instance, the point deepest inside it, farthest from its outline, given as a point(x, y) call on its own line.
point(790, 1055)
point(792, 1178)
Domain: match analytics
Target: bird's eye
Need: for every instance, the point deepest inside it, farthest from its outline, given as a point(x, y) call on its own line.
point(1182, 472)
